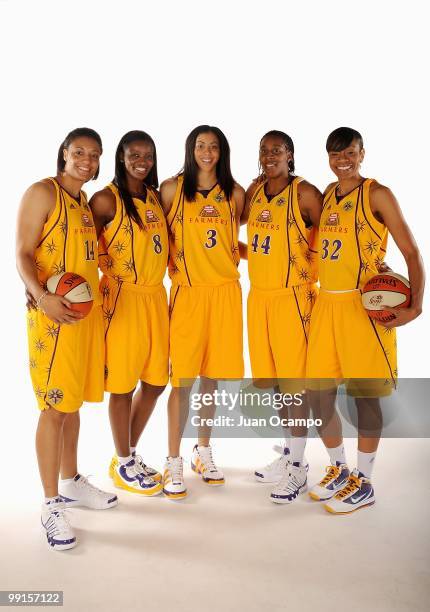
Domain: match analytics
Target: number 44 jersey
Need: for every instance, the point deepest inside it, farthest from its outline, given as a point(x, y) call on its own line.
point(281, 251)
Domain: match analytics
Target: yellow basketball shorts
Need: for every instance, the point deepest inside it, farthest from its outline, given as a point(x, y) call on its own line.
point(205, 333)
point(136, 321)
point(278, 328)
point(346, 345)
point(66, 361)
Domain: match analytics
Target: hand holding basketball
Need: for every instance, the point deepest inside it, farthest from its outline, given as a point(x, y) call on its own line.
point(59, 310)
point(387, 297)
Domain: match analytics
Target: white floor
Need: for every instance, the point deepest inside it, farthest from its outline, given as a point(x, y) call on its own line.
point(229, 548)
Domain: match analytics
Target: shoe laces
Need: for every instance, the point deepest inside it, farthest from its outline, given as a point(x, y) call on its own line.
point(84, 483)
point(289, 482)
point(205, 453)
point(333, 471)
point(145, 470)
point(138, 470)
point(58, 523)
point(351, 486)
point(176, 468)
point(283, 459)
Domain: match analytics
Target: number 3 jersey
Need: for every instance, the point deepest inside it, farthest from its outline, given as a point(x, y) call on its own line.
point(203, 239)
point(130, 254)
point(352, 242)
point(281, 251)
point(68, 242)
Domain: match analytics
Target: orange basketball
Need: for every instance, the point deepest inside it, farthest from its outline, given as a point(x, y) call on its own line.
point(388, 289)
point(74, 288)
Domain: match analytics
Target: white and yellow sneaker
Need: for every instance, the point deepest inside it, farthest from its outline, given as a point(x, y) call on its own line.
point(202, 463)
point(335, 479)
point(357, 493)
point(173, 478)
point(147, 471)
point(131, 478)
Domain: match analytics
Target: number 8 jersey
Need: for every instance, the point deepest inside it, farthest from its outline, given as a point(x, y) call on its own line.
point(281, 250)
point(130, 254)
point(203, 239)
point(352, 242)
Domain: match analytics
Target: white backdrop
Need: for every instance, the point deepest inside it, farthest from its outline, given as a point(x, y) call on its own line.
point(247, 67)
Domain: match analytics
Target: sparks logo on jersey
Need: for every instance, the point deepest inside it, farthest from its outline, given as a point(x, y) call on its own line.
point(280, 201)
point(265, 216)
point(72, 206)
point(87, 221)
point(258, 201)
point(151, 217)
point(333, 219)
point(219, 198)
point(348, 206)
point(151, 200)
point(209, 211)
point(55, 396)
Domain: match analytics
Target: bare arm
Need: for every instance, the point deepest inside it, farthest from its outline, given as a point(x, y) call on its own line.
point(167, 193)
point(36, 206)
point(386, 208)
point(103, 207)
point(310, 203)
point(240, 200)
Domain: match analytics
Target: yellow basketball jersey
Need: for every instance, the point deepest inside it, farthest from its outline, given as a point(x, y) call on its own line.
point(130, 254)
point(281, 251)
point(203, 239)
point(352, 242)
point(69, 241)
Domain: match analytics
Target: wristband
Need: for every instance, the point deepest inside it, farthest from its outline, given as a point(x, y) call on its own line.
point(40, 298)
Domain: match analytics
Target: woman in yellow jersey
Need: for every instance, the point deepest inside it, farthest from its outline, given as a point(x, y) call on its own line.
point(203, 205)
point(344, 343)
point(56, 234)
point(282, 212)
point(133, 251)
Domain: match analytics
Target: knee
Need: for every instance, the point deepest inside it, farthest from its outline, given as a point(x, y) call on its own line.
point(152, 390)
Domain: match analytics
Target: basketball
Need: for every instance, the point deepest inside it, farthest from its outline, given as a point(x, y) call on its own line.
point(74, 288)
point(388, 289)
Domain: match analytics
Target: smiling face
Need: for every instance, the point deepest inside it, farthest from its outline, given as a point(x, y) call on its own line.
point(207, 151)
point(274, 157)
point(82, 158)
point(138, 159)
point(346, 163)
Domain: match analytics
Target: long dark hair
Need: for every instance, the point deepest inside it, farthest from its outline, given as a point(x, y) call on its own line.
point(71, 136)
point(289, 145)
point(120, 178)
point(223, 171)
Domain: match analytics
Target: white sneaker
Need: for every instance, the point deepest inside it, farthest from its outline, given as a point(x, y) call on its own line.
point(202, 463)
point(130, 477)
point(59, 532)
point(335, 479)
point(80, 492)
point(293, 482)
point(173, 478)
point(357, 493)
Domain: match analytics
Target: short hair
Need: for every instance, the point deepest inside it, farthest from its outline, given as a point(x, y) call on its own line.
point(288, 142)
point(341, 138)
point(71, 136)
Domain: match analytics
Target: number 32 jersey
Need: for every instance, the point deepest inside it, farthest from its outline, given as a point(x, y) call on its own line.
point(130, 254)
point(203, 239)
point(352, 242)
point(281, 251)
